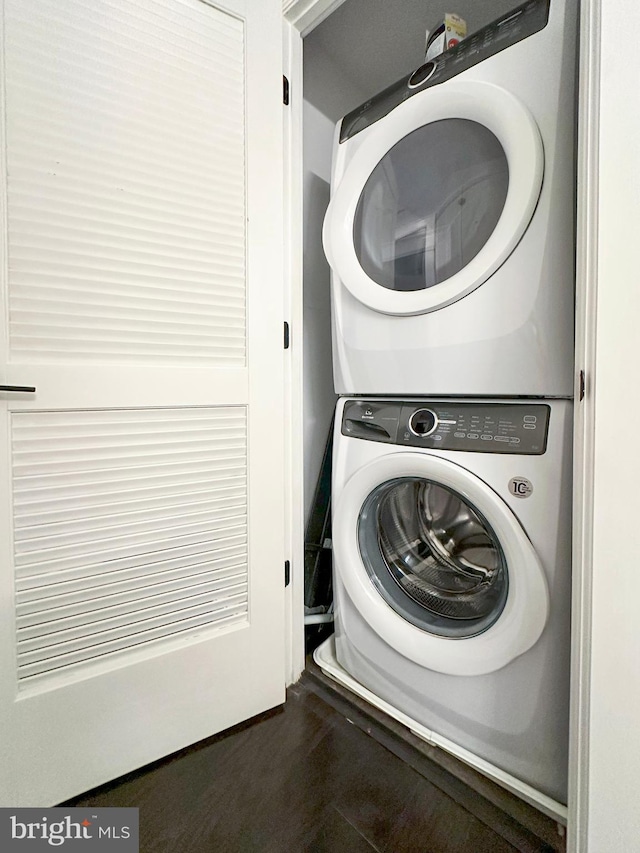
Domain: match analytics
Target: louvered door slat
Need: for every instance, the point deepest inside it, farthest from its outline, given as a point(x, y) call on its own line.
point(137, 173)
point(135, 478)
point(145, 217)
point(43, 623)
point(87, 638)
point(95, 539)
point(46, 580)
point(52, 602)
point(103, 167)
point(116, 298)
point(93, 527)
point(114, 538)
point(72, 505)
point(85, 422)
point(164, 447)
point(24, 466)
point(220, 498)
point(36, 635)
point(198, 433)
point(33, 664)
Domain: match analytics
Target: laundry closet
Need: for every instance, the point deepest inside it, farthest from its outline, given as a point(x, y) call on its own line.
point(603, 762)
point(453, 314)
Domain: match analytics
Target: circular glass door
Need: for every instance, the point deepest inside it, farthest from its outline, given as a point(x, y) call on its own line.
point(433, 557)
point(429, 201)
point(430, 204)
point(436, 562)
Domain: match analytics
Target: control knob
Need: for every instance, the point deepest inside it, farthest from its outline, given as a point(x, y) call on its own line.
point(423, 422)
point(422, 74)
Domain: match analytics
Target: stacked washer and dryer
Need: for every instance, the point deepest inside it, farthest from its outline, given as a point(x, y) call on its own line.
point(451, 241)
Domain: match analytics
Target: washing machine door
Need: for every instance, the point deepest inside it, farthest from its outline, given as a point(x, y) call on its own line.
point(438, 564)
point(435, 198)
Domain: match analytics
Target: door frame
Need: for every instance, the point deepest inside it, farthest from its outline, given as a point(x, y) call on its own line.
point(605, 763)
point(300, 18)
point(587, 171)
point(293, 313)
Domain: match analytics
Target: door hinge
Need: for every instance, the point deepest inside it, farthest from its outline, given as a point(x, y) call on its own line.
point(582, 385)
point(286, 335)
point(287, 572)
point(285, 91)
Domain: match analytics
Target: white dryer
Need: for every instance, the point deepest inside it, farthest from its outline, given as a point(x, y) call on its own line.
point(450, 230)
point(451, 543)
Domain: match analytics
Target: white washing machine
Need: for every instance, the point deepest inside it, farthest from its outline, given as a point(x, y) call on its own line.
point(451, 543)
point(450, 230)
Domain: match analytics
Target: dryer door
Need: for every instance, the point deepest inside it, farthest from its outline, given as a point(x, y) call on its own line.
point(435, 198)
point(438, 564)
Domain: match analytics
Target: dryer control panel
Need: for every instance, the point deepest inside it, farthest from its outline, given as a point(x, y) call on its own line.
point(518, 428)
point(514, 26)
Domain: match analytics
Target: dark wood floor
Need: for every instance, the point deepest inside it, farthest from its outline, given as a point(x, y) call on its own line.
point(302, 778)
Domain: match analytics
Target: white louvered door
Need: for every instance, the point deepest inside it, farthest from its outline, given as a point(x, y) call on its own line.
point(141, 490)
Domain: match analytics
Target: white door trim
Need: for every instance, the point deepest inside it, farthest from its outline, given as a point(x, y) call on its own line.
point(304, 15)
point(293, 312)
point(299, 18)
point(584, 414)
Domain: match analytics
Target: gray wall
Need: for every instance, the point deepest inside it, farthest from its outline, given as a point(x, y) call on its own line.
point(328, 92)
point(366, 45)
point(318, 396)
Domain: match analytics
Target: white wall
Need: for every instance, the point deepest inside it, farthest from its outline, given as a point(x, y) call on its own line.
point(613, 725)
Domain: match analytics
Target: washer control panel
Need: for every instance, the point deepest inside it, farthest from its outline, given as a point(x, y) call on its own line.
point(519, 428)
point(510, 28)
